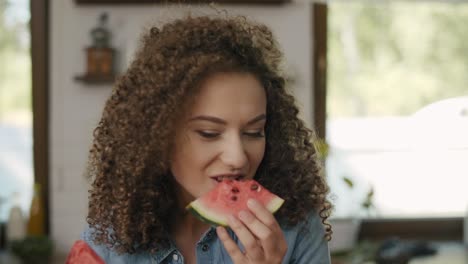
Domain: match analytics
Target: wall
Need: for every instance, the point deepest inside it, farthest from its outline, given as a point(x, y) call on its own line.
point(75, 108)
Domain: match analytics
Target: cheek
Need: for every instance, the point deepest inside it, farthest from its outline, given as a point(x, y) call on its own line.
point(192, 157)
point(257, 152)
point(182, 158)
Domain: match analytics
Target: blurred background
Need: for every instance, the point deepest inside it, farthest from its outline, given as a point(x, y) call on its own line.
point(385, 84)
point(16, 172)
point(397, 116)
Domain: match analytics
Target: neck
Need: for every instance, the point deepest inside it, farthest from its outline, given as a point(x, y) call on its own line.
point(187, 226)
point(187, 230)
point(190, 227)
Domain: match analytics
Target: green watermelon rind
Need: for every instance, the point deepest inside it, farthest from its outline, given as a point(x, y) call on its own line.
point(197, 209)
point(202, 218)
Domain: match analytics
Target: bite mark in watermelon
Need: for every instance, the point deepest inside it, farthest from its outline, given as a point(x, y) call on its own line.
point(230, 197)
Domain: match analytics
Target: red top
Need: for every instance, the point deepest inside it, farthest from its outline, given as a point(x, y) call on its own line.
point(81, 253)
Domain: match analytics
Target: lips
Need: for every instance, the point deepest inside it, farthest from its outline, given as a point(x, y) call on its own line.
point(236, 177)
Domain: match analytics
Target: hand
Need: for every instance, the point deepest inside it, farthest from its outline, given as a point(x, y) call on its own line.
point(260, 234)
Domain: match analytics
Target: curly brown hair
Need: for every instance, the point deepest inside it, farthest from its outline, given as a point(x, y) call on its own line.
point(132, 190)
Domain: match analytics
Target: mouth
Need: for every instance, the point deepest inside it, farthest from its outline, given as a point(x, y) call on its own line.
point(220, 178)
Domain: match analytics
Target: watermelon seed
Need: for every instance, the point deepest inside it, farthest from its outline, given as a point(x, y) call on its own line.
point(254, 187)
point(234, 198)
point(235, 190)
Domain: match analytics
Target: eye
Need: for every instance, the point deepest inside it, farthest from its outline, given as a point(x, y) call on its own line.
point(207, 134)
point(255, 134)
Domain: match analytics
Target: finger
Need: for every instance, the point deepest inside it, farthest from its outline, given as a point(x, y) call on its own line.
point(252, 247)
point(258, 228)
point(263, 215)
point(271, 240)
point(231, 247)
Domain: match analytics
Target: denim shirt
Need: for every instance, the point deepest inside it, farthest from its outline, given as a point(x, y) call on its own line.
point(306, 245)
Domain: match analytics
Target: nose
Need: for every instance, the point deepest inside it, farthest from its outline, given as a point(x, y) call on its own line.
point(234, 153)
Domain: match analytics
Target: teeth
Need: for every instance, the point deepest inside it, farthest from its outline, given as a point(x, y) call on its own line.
point(220, 178)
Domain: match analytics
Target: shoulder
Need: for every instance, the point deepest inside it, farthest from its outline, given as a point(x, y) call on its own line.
point(108, 254)
point(101, 250)
point(306, 241)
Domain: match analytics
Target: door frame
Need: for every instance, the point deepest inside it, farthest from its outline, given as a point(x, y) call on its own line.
point(39, 26)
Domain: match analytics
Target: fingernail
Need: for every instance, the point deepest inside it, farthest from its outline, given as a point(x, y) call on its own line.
point(245, 216)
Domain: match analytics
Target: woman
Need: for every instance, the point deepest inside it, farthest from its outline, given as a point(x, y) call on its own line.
point(204, 98)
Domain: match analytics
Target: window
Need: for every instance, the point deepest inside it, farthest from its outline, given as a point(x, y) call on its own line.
point(16, 150)
point(397, 107)
point(30, 31)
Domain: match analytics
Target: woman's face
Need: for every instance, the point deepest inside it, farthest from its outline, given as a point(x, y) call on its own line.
point(221, 135)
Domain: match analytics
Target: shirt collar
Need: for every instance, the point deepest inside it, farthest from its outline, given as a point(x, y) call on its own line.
point(165, 252)
point(162, 254)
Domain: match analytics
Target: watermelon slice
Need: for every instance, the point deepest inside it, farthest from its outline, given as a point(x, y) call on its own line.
point(230, 197)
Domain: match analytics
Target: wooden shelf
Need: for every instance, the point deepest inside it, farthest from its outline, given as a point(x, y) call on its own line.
point(96, 79)
point(87, 2)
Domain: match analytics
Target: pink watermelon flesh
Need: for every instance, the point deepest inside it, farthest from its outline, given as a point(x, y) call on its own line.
point(230, 197)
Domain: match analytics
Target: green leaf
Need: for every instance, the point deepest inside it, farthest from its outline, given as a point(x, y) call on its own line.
point(322, 148)
point(348, 182)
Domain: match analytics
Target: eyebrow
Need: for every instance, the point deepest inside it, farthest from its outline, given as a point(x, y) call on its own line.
point(223, 122)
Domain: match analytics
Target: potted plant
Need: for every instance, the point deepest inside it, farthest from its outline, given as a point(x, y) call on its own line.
point(33, 249)
point(345, 229)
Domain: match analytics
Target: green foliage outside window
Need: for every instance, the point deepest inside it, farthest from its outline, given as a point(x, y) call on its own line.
point(378, 65)
point(15, 62)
